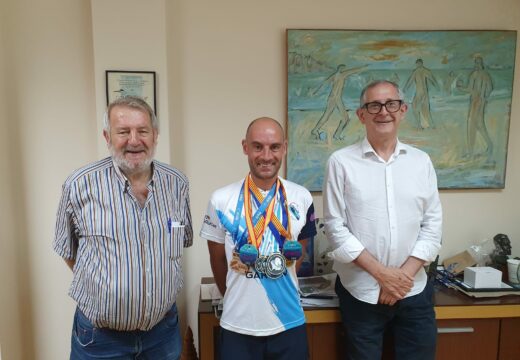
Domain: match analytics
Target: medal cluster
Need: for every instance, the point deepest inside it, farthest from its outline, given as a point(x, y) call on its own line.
point(273, 265)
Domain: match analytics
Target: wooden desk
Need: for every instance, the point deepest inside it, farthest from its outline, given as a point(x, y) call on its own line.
point(485, 328)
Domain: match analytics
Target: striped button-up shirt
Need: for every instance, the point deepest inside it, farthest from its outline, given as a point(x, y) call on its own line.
point(127, 270)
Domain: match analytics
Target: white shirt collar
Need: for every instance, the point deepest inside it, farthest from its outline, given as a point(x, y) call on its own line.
point(367, 148)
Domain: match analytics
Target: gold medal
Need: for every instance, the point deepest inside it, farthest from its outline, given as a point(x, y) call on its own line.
point(238, 265)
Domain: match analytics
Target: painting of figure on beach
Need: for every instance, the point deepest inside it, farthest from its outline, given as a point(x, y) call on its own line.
point(458, 86)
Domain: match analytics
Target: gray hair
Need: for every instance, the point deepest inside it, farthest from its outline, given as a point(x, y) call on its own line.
point(376, 83)
point(133, 102)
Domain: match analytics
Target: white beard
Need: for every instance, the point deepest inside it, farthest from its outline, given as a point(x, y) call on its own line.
point(131, 168)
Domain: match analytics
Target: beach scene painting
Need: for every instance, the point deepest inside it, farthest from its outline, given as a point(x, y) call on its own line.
point(457, 84)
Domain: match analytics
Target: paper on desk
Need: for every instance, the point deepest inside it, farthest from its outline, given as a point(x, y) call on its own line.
point(322, 285)
point(312, 302)
point(209, 292)
point(490, 294)
point(503, 286)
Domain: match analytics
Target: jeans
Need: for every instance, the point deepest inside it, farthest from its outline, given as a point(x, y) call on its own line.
point(162, 342)
point(411, 321)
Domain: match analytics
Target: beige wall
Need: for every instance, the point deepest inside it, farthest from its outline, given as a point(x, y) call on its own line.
point(225, 65)
point(131, 35)
point(9, 309)
point(50, 86)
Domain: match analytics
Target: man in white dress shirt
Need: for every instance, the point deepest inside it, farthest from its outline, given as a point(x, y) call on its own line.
point(383, 219)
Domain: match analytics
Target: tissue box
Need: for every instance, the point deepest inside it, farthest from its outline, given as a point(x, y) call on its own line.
point(483, 277)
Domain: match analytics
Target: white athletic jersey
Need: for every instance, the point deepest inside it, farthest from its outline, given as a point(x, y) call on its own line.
point(255, 304)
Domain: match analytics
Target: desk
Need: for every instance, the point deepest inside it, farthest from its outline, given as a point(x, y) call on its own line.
point(484, 328)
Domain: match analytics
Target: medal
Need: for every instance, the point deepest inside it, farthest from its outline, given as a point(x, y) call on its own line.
point(238, 265)
point(248, 254)
point(274, 265)
point(292, 250)
point(260, 264)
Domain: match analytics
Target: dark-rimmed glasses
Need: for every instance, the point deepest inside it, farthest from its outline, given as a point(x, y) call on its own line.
point(375, 107)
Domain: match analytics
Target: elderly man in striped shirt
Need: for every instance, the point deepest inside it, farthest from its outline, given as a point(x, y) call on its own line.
point(122, 224)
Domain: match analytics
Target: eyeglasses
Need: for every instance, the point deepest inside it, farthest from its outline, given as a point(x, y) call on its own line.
point(375, 107)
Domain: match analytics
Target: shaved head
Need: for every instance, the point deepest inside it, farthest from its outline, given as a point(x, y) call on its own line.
point(264, 122)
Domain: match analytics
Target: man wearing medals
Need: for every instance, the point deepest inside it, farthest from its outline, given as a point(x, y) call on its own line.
point(257, 229)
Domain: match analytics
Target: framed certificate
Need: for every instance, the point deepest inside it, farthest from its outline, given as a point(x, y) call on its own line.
point(131, 83)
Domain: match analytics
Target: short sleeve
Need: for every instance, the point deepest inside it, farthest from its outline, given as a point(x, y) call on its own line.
point(309, 229)
point(212, 228)
point(65, 236)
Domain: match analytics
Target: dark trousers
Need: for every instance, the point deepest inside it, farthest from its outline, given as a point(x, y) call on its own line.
point(287, 345)
point(411, 321)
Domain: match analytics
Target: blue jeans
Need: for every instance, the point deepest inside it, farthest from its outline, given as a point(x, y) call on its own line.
point(162, 342)
point(411, 321)
point(288, 345)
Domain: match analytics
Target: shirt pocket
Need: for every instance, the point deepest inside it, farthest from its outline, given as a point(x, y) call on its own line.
point(177, 233)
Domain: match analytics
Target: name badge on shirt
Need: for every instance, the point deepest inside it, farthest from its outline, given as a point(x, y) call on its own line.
point(174, 225)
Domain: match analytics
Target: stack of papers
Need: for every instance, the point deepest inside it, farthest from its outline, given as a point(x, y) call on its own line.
point(504, 289)
point(318, 291)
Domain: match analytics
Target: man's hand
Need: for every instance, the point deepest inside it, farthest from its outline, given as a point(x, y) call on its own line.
point(386, 299)
point(405, 278)
point(394, 282)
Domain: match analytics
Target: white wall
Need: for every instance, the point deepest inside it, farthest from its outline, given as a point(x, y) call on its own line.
point(220, 64)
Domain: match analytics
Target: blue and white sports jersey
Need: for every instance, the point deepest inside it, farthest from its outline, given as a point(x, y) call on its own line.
point(255, 304)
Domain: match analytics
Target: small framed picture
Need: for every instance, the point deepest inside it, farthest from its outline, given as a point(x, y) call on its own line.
point(131, 83)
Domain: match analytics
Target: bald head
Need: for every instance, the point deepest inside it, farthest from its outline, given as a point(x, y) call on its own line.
point(265, 123)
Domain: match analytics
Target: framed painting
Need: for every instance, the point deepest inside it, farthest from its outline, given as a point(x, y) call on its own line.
point(131, 83)
point(458, 86)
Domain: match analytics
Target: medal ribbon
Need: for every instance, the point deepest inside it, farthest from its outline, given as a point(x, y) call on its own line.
point(256, 232)
point(240, 238)
point(280, 231)
point(275, 225)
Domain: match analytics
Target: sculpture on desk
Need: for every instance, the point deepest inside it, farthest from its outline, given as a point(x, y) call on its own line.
point(502, 250)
